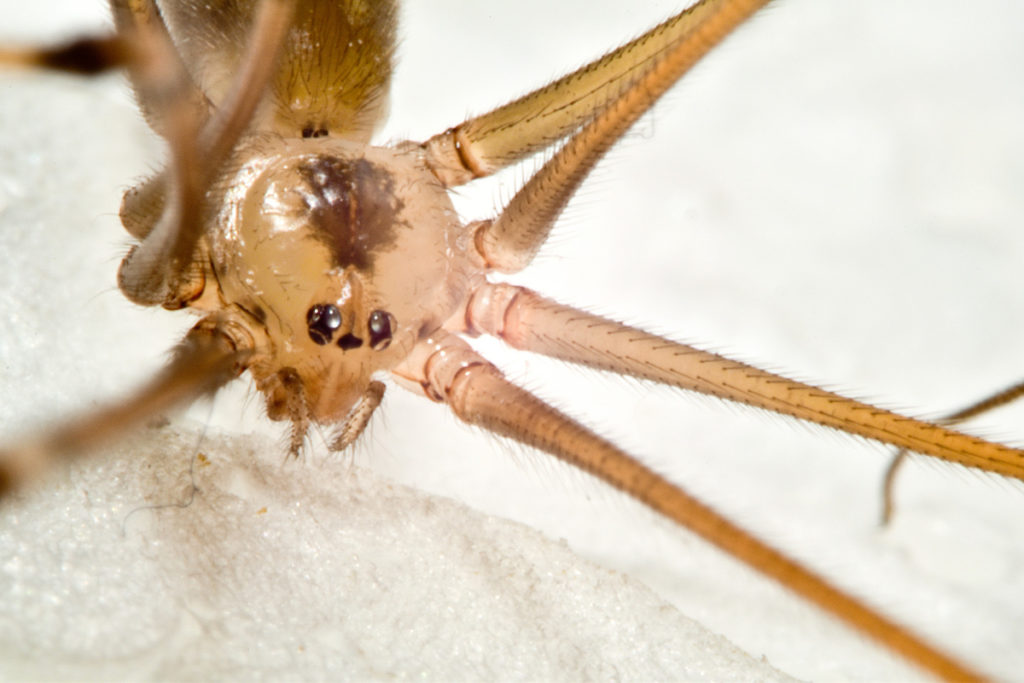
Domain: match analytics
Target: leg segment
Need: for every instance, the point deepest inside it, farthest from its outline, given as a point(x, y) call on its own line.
point(143, 205)
point(142, 18)
point(997, 400)
point(84, 56)
point(530, 322)
point(140, 28)
point(207, 358)
point(487, 143)
point(447, 369)
point(510, 242)
point(156, 272)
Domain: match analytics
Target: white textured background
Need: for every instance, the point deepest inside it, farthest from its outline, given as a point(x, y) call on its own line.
point(837, 193)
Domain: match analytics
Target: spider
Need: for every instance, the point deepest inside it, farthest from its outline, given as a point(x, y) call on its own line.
point(637, 405)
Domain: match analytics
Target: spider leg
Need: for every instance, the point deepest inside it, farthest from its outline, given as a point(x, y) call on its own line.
point(141, 38)
point(509, 242)
point(487, 143)
point(324, 80)
point(161, 269)
point(447, 369)
point(139, 29)
point(142, 18)
point(143, 205)
point(83, 56)
point(996, 400)
point(209, 357)
point(528, 321)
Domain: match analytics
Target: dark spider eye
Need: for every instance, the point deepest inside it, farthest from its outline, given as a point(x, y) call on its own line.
point(382, 326)
point(323, 320)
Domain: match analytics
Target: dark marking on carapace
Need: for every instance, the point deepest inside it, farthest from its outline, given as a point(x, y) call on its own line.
point(353, 209)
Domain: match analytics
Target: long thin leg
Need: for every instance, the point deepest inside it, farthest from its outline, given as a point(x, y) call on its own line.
point(142, 18)
point(510, 242)
point(449, 370)
point(84, 56)
point(206, 359)
point(487, 143)
point(153, 273)
point(140, 28)
point(142, 46)
point(999, 399)
point(528, 321)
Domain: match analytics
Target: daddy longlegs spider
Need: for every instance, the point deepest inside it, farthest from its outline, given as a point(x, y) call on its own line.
point(711, 443)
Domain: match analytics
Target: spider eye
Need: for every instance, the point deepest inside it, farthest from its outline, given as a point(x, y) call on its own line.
point(322, 321)
point(382, 326)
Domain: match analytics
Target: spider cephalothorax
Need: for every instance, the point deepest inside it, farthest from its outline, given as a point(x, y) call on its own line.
point(310, 251)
